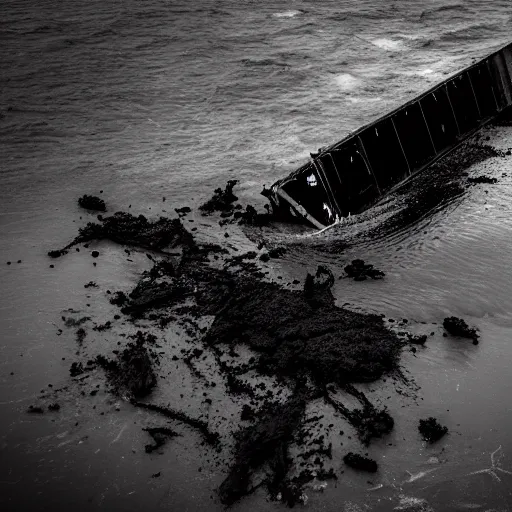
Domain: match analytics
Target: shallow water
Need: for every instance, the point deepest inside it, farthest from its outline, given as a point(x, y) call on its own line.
point(153, 99)
point(452, 262)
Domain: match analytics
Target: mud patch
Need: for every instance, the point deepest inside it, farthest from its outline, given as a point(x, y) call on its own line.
point(298, 339)
point(356, 461)
point(212, 438)
point(221, 201)
point(160, 436)
point(458, 327)
point(92, 203)
point(358, 270)
point(35, 409)
point(80, 334)
point(225, 203)
point(124, 228)
point(431, 430)
point(419, 339)
point(76, 369)
point(368, 421)
point(265, 442)
point(483, 180)
point(295, 334)
point(132, 372)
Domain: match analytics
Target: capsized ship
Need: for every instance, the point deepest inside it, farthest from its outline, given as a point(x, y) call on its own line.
point(355, 173)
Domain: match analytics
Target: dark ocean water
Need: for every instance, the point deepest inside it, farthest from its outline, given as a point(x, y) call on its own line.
point(171, 98)
point(181, 95)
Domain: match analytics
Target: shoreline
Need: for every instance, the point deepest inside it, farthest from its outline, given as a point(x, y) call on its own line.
point(309, 359)
point(141, 259)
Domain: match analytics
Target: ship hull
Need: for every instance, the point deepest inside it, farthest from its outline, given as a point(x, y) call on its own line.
point(355, 173)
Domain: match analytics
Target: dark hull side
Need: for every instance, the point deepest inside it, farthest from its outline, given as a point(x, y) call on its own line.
point(353, 174)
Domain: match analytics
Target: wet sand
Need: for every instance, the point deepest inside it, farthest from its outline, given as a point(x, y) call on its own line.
point(79, 457)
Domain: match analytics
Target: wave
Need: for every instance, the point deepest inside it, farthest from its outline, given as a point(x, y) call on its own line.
point(442, 9)
point(391, 45)
point(149, 15)
point(220, 12)
point(104, 32)
point(157, 42)
point(435, 68)
point(29, 110)
point(363, 12)
point(288, 14)
point(43, 29)
point(263, 62)
point(472, 32)
point(347, 82)
point(364, 99)
point(8, 34)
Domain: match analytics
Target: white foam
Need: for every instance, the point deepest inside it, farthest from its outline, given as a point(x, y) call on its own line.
point(424, 73)
point(411, 37)
point(412, 503)
point(361, 99)
point(347, 82)
point(287, 14)
point(434, 70)
point(392, 45)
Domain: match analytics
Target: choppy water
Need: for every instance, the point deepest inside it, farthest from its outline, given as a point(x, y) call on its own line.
point(179, 95)
point(170, 98)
